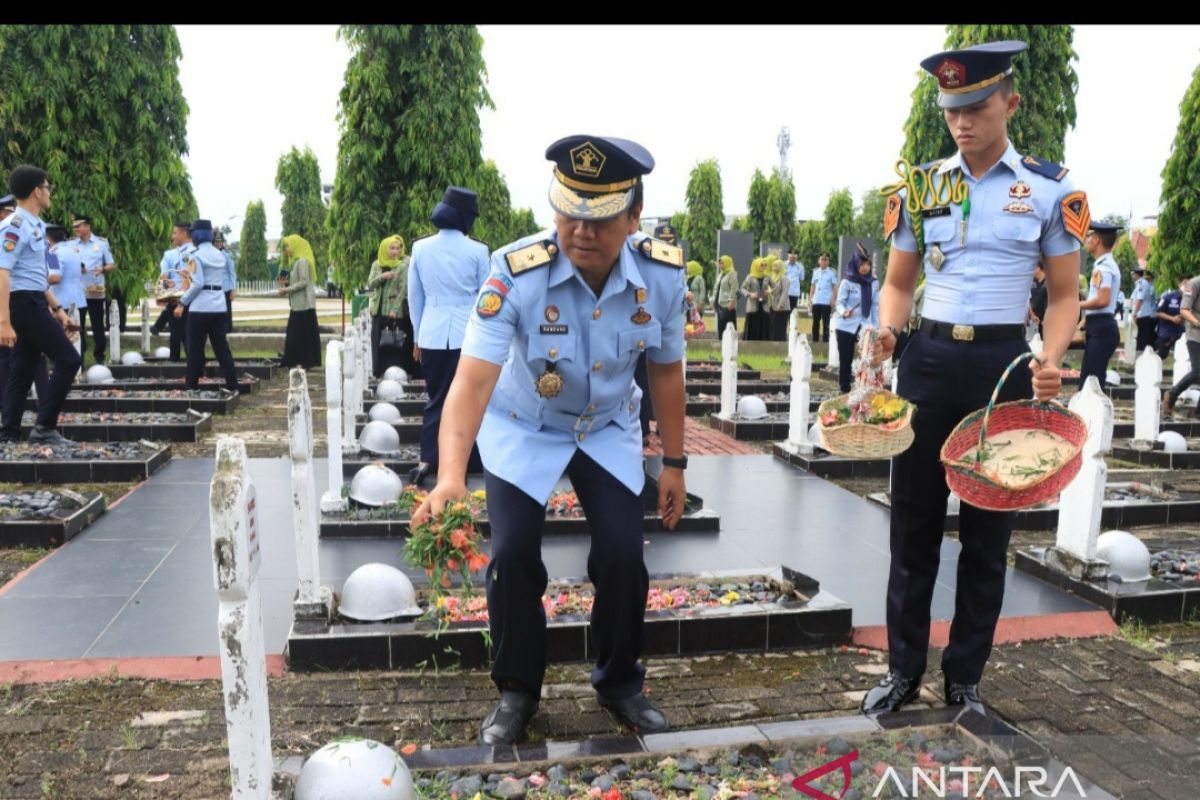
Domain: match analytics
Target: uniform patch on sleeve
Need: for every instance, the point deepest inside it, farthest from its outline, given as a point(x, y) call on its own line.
point(500, 283)
point(9, 245)
point(891, 216)
point(1097, 278)
point(489, 304)
point(1076, 216)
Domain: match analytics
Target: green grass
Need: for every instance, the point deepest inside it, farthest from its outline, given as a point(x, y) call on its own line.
point(762, 362)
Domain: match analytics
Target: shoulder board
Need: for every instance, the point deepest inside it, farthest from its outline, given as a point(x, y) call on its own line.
point(14, 220)
point(419, 238)
point(1055, 172)
point(660, 251)
point(538, 254)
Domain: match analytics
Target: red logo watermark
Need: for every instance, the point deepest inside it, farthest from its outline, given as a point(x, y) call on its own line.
point(843, 763)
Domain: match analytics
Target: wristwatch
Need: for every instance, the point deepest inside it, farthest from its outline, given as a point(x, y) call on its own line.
point(678, 463)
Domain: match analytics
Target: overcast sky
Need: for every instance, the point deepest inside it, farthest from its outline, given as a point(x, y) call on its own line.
point(687, 94)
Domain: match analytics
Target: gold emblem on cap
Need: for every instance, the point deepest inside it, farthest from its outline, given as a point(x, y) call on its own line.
point(586, 159)
point(551, 313)
point(549, 383)
point(640, 295)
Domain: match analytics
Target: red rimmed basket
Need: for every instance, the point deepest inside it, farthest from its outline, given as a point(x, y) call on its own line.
point(983, 489)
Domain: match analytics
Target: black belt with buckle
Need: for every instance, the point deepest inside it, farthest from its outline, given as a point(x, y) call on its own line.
point(210, 287)
point(970, 333)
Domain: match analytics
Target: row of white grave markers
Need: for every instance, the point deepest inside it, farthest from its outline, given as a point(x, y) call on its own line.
point(233, 527)
point(834, 358)
point(352, 395)
point(313, 601)
point(77, 321)
point(1130, 340)
point(114, 333)
point(729, 368)
point(145, 325)
point(1081, 504)
point(332, 500)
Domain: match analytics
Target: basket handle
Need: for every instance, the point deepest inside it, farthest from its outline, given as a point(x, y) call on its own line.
point(987, 414)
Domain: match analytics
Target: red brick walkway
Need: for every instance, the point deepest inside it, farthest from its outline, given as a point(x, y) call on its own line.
point(701, 440)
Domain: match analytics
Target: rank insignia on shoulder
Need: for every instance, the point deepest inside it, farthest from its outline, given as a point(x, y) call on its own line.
point(662, 252)
point(1076, 216)
point(530, 257)
point(1054, 172)
point(891, 215)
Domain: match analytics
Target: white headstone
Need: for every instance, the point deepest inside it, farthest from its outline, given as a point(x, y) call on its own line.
point(835, 358)
point(1082, 501)
point(1130, 340)
point(332, 500)
point(1035, 344)
point(1183, 362)
point(77, 320)
point(236, 558)
point(800, 392)
point(1148, 373)
point(729, 354)
point(145, 325)
point(114, 333)
point(312, 599)
point(350, 388)
point(364, 337)
point(793, 332)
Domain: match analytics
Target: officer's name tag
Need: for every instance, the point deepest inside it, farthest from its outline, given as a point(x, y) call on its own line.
point(940, 211)
point(555, 329)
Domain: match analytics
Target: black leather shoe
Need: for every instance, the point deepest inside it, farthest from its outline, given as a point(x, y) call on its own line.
point(890, 694)
point(637, 713)
point(51, 436)
point(508, 720)
point(964, 694)
point(417, 474)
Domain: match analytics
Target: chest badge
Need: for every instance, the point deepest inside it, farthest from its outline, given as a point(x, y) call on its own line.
point(641, 317)
point(1019, 207)
point(549, 383)
point(551, 313)
point(1020, 190)
point(640, 296)
point(936, 257)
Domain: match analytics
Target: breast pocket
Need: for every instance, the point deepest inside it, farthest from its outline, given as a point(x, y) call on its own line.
point(1018, 236)
point(550, 347)
point(940, 231)
point(632, 342)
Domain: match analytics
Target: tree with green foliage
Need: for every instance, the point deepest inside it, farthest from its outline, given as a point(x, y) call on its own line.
point(1175, 247)
point(705, 215)
point(252, 265)
point(810, 243)
point(496, 223)
point(409, 119)
point(298, 179)
point(525, 224)
point(839, 220)
point(678, 221)
point(100, 108)
point(1043, 76)
point(780, 219)
point(1125, 256)
point(757, 200)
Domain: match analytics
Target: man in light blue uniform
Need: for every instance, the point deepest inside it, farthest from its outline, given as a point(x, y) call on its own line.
point(1145, 300)
point(546, 383)
point(204, 305)
point(820, 297)
point(977, 223)
point(228, 280)
point(97, 262)
point(795, 273)
point(32, 321)
point(66, 271)
point(1100, 324)
point(444, 275)
point(171, 279)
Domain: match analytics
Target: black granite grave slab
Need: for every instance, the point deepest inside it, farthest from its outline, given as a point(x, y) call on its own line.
point(86, 399)
point(1114, 515)
point(827, 465)
point(86, 470)
point(399, 462)
point(822, 618)
point(118, 427)
point(1185, 428)
point(743, 387)
point(770, 429)
point(246, 383)
point(1158, 457)
point(53, 531)
point(408, 428)
point(703, 406)
point(713, 373)
point(163, 368)
point(408, 407)
point(1150, 602)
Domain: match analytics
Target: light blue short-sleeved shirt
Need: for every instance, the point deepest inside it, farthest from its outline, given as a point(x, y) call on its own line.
point(547, 315)
point(69, 290)
point(850, 296)
point(1144, 290)
point(1016, 216)
point(824, 281)
point(93, 253)
point(444, 276)
point(795, 273)
point(1105, 275)
point(23, 252)
point(207, 265)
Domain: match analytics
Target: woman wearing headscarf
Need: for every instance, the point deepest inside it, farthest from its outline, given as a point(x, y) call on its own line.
point(302, 346)
point(388, 283)
point(753, 289)
point(777, 300)
point(695, 284)
point(857, 303)
point(204, 299)
point(724, 295)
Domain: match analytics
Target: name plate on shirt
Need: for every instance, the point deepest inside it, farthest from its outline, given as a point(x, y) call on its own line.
point(555, 329)
point(941, 211)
